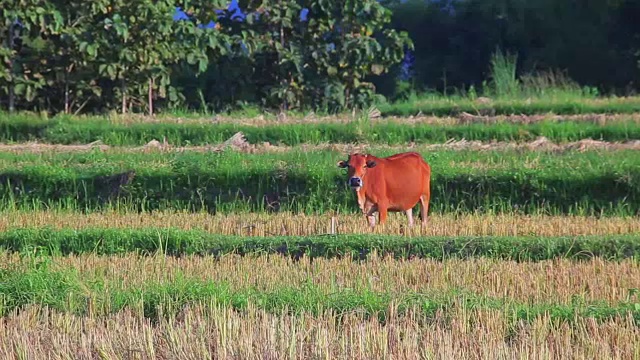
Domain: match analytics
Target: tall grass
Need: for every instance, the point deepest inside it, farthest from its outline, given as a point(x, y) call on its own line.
point(548, 84)
point(506, 93)
point(503, 75)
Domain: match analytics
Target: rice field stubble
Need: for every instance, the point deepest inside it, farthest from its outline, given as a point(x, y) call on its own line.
point(217, 332)
point(463, 329)
point(294, 224)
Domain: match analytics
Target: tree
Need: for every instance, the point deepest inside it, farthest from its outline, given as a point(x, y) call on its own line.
point(70, 57)
point(322, 60)
point(140, 42)
point(22, 66)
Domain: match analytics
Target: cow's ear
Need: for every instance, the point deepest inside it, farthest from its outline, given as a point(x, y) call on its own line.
point(342, 164)
point(371, 164)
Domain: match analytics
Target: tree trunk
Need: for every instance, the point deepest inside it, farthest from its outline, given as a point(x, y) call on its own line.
point(284, 104)
point(12, 95)
point(123, 90)
point(67, 107)
point(346, 98)
point(68, 104)
point(151, 96)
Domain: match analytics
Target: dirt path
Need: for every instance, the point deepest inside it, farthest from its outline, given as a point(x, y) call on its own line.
point(374, 116)
point(239, 143)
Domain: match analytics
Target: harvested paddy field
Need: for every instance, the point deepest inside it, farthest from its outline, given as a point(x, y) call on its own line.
point(556, 281)
point(138, 237)
point(219, 332)
point(192, 306)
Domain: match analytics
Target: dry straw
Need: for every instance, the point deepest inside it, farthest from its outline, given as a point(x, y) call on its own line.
point(261, 224)
point(210, 332)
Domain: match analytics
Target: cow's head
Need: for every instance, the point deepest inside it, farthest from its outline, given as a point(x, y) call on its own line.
point(357, 166)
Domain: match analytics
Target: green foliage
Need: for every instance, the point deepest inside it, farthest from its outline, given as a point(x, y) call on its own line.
point(141, 42)
point(321, 62)
point(594, 183)
point(454, 40)
point(23, 70)
point(74, 54)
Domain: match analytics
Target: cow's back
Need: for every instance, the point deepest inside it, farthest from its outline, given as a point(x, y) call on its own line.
point(405, 177)
point(405, 164)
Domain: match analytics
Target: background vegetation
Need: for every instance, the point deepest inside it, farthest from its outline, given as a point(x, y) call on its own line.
point(592, 42)
point(74, 55)
point(322, 55)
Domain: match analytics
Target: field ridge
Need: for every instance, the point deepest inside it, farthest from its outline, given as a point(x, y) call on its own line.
point(238, 143)
point(378, 132)
point(174, 242)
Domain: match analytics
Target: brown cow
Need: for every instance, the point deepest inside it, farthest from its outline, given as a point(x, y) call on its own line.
point(395, 183)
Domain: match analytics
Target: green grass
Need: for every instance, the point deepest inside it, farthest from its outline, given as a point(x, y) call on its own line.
point(63, 130)
point(560, 104)
point(548, 91)
point(580, 183)
point(65, 290)
point(174, 242)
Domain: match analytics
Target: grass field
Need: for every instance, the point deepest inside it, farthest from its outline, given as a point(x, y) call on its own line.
point(179, 243)
point(195, 248)
point(595, 182)
point(564, 105)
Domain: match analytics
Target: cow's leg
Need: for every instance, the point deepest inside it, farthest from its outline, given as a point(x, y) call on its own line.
point(409, 216)
point(382, 211)
point(424, 208)
point(369, 214)
point(372, 220)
